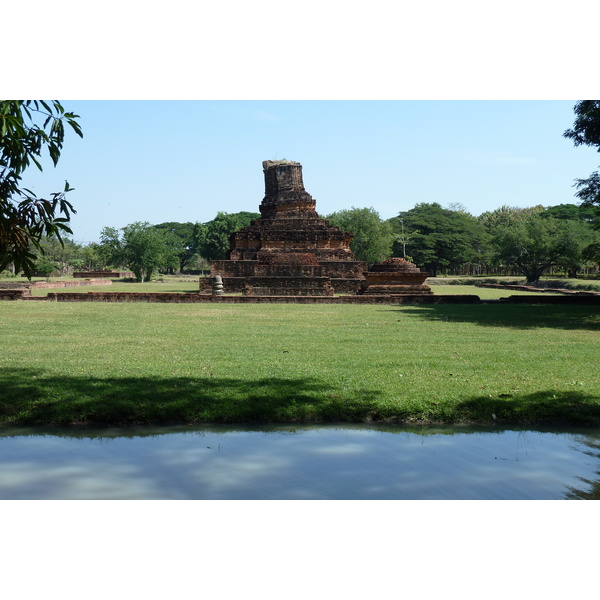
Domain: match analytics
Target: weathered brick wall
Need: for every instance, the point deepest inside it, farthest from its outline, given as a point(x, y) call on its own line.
point(43, 285)
point(165, 297)
point(288, 286)
point(180, 298)
point(14, 294)
point(233, 268)
point(346, 286)
point(113, 274)
point(67, 284)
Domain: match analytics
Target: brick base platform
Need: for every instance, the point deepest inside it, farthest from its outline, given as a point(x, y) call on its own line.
point(185, 298)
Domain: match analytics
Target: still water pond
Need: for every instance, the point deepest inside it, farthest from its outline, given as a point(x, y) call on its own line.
point(301, 463)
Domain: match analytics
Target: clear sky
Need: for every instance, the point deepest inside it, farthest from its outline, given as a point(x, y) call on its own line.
point(157, 161)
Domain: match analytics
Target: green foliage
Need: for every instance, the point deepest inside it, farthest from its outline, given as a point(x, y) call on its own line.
point(536, 238)
point(373, 238)
point(145, 249)
point(25, 218)
point(142, 248)
point(532, 245)
point(575, 237)
point(586, 131)
point(45, 267)
point(573, 212)
point(110, 249)
point(440, 239)
point(184, 232)
point(591, 253)
point(213, 238)
point(506, 216)
point(63, 253)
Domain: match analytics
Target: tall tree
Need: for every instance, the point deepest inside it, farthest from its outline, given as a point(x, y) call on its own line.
point(575, 237)
point(373, 238)
point(586, 132)
point(27, 129)
point(111, 247)
point(531, 245)
point(141, 247)
point(214, 237)
point(440, 239)
point(146, 249)
point(185, 234)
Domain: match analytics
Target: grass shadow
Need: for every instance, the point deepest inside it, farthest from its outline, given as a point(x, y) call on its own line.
point(515, 316)
point(549, 407)
point(31, 397)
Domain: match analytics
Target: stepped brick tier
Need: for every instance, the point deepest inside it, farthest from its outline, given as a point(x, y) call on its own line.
point(290, 250)
point(395, 276)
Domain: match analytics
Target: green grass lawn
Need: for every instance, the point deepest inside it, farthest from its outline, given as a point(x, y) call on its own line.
point(76, 363)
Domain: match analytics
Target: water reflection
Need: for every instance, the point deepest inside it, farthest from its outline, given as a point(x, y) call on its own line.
point(335, 462)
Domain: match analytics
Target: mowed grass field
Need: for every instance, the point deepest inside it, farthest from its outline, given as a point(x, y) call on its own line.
point(137, 363)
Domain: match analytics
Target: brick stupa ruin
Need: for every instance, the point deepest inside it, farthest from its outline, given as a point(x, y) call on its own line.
point(289, 250)
point(395, 276)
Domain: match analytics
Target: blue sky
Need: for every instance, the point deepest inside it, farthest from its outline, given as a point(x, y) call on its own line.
point(157, 161)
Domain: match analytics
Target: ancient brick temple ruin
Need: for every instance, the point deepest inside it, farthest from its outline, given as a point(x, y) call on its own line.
point(395, 276)
point(290, 250)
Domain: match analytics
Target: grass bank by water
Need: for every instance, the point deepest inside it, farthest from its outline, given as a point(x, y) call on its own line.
point(126, 363)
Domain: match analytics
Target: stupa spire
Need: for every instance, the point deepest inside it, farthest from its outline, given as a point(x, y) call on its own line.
point(284, 190)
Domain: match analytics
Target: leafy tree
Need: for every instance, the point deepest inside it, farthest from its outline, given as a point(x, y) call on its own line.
point(575, 238)
point(373, 238)
point(573, 212)
point(569, 229)
point(591, 253)
point(141, 247)
point(111, 247)
point(507, 215)
point(145, 249)
point(214, 237)
point(91, 257)
point(440, 239)
point(586, 131)
point(63, 253)
point(45, 267)
point(25, 218)
point(531, 245)
point(184, 232)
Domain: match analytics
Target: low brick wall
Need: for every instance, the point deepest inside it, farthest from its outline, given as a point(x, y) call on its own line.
point(46, 285)
point(14, 294)
point(110, 274)
point(43, 285)
point(187, 298)
point(181, 298)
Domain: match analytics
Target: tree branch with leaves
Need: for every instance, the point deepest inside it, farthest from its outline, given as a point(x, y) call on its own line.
point(586, 132)
point(28, 129)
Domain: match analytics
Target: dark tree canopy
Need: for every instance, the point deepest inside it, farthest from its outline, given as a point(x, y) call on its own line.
point(29, 129)
point(213, 237)
point(586, 132)
point(184, 232)
point(440, 238)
